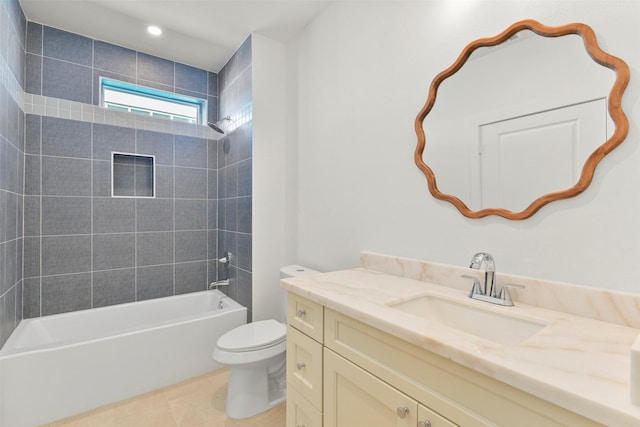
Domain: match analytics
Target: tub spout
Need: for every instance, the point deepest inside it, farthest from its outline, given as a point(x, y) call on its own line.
point(214, 285)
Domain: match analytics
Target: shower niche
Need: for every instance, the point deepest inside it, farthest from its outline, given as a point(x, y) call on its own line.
point(133, 175)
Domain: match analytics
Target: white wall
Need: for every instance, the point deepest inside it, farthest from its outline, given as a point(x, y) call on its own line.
point(269, 177)
point(363, 71)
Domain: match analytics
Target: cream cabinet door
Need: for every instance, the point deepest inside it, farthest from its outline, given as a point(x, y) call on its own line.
point(355, 398)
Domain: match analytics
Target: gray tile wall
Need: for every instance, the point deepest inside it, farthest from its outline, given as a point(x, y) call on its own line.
point(52, 55)
point(84, 248)
point(234, 174)
point(12, 59)
point(87, 249)
point(81, 248)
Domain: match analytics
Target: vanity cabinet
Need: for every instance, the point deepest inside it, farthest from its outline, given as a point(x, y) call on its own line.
point(349, 374)
point(446, 393)
point(305, 332)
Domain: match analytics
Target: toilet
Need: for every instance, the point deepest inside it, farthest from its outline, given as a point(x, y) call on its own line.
point(255, 352)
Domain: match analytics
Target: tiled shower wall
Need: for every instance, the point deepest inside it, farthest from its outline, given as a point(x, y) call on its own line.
point(54, 55)
point(84, 248)
point(12, 42)
point(234, 173)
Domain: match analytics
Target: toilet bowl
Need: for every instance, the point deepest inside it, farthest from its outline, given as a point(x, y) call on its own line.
point(255, 352)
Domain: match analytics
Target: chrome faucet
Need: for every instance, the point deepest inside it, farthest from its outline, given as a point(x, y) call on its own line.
point(489, 271)
point(488, 293)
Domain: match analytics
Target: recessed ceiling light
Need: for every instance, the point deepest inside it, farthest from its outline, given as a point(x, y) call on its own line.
point(154, 30)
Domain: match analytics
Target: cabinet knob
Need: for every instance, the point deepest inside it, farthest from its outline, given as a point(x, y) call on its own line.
point(300, 366)
point(425, 423)
point(402, 411)
point(302, 313)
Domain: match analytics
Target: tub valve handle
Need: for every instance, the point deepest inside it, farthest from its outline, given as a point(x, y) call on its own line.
point(226, 259)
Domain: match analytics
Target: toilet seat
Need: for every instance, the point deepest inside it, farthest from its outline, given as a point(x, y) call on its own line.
point(253, 336)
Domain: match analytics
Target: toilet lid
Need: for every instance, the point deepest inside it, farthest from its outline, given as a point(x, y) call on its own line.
point(253, 336)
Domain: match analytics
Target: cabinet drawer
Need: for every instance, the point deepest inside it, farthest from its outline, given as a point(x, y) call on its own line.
point(301, 413)
point(306, 316)
point(304, 366)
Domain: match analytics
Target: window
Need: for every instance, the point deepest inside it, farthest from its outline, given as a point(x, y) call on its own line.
point(117, 95)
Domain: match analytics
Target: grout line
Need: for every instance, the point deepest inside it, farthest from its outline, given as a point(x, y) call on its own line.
point(136, 77)
point(135, 217)
point(127, 268)
point(91, 218)
point(116, 233)
point(41, 59)
point(174, 208)
point(93, 72)
point(40, 215)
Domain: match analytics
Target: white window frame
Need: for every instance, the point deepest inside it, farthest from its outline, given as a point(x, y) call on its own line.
point(136, 99)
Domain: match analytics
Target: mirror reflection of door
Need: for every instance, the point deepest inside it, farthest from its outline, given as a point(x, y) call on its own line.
point(528, 90)
point(523, 157)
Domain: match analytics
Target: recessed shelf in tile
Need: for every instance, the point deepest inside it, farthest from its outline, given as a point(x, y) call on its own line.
point(133, 175)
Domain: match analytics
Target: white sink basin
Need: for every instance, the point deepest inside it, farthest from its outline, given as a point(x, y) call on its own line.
point(503, 328)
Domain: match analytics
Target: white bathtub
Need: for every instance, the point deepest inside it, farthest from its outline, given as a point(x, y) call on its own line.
point(56, 366)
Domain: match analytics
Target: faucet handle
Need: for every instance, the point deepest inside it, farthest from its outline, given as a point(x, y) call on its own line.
point(476, 289)
point(226, 259)
point(504, 292)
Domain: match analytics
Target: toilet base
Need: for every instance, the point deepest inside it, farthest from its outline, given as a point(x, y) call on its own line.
point(256, 387)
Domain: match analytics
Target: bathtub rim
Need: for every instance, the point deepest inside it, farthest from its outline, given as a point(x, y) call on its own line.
point(8, 351)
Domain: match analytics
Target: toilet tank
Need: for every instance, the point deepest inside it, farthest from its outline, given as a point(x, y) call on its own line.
point(288, 271)
point(296, 270)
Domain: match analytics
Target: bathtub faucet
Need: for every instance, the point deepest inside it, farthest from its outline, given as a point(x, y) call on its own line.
point(214, 285)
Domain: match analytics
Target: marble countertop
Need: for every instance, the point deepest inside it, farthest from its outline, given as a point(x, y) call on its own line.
point(578, 363)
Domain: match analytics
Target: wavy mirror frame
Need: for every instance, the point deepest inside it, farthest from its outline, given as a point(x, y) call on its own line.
point(614, 106)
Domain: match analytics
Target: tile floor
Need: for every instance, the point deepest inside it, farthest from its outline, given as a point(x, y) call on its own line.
point(192, 403)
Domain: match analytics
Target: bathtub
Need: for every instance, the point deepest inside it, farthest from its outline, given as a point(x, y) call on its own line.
point(57, 366)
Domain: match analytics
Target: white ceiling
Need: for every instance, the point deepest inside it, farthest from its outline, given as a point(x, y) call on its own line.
point(201, 33)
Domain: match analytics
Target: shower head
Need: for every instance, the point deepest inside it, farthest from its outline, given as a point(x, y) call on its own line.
point(216, 126)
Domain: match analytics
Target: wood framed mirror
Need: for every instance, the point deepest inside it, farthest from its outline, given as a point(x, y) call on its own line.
point(507, 133)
